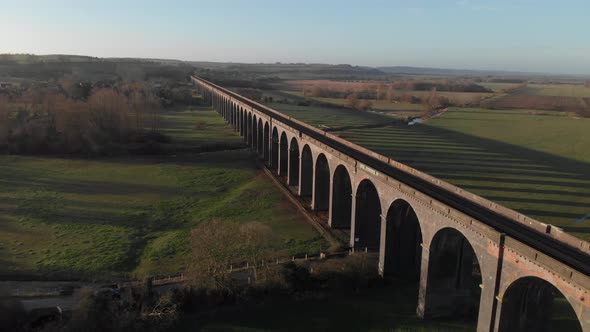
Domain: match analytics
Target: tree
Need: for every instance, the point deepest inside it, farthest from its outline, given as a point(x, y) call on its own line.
point(391, 94)
point(217, 244)
point(352, 101)
point(431, 102)
point(365, 105)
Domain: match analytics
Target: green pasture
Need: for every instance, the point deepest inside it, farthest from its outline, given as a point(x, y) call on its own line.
point(498, 87)
point(114, 217)
point(330, 117)
point(537, 163)
point(559, 90)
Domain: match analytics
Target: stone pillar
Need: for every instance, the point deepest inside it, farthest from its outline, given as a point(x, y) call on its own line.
point(313, 176)
point(300, 172)
point(421, 309)
point(331, 195)
point(353, 216)
point(382, 243)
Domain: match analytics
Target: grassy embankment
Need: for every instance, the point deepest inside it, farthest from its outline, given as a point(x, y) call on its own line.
point(99, 218)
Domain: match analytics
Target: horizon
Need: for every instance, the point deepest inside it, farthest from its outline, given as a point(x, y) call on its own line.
point(378, 67)
point(513, 36)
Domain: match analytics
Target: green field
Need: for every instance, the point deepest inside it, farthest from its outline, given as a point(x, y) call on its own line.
point(559, 90)
point(114, 217)
point(535, 162)
point(498, 87)
point(330, 117)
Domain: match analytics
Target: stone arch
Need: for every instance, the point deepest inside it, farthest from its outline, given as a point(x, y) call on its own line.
point(531, 304)
point(265, 145)
point(306, 172)
point(367, 219)
point(283, 154)
point(321, 198)
point(294, 162)
point(403, 241)
point(248, 135)
point(242, 121)
point(341, 199)
point(260, 138)
point(274, 159)
point(454, 277)
point(254, 135)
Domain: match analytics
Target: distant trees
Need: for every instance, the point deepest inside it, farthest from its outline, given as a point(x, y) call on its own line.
point(45, 120)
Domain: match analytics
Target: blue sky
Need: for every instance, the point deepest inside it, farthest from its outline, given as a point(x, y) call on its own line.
point(525, 35)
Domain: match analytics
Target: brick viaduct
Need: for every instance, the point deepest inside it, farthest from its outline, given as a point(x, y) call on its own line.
point(452, 241)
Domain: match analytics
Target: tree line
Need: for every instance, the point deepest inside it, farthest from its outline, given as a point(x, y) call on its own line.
point(78, 118)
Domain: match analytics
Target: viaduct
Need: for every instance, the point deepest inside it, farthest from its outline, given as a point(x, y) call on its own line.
point(455, 243)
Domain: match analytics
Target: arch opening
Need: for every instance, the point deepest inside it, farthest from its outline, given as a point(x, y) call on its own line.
point(283, 155)
point(248, 128)
point(454, 277)
point(342, 199)
point(306, 173)
point(294, 163)
point(367, 220)
point(254, 135)
point(265, 145)
point(321, 199)
point(403, 242)
point(260, 138)
point(533, 304)
point(274, 160)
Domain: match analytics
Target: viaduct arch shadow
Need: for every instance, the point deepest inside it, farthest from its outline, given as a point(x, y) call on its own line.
point(403, 242)
point(367, 219)
point(306, 172)
point(322, 184)
point(274, 159)
point(265, 144)
point(454, 276)
point(283, 155)
point(533, 304)
point(294, 163)
point(341, 199)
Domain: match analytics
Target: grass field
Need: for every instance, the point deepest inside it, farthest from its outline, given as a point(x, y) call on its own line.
point(384, 105)
point(330, 117)
point(559, 90)
point(65, 217)
point(498, 87)
point(535, 162)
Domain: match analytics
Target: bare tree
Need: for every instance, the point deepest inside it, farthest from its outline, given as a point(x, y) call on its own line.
point(217, 244)
point(352, 101)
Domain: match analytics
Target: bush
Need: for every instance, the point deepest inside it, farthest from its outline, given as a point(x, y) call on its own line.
point(12, 315)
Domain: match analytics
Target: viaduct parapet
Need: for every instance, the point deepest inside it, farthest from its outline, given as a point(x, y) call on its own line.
point(455, 243)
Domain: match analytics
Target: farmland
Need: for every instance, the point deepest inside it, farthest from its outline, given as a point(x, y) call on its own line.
point(535, 163)
point(330, 117)
point(131, 216)
point(559, 90)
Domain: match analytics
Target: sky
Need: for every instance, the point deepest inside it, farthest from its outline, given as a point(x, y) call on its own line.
point(515, 35)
